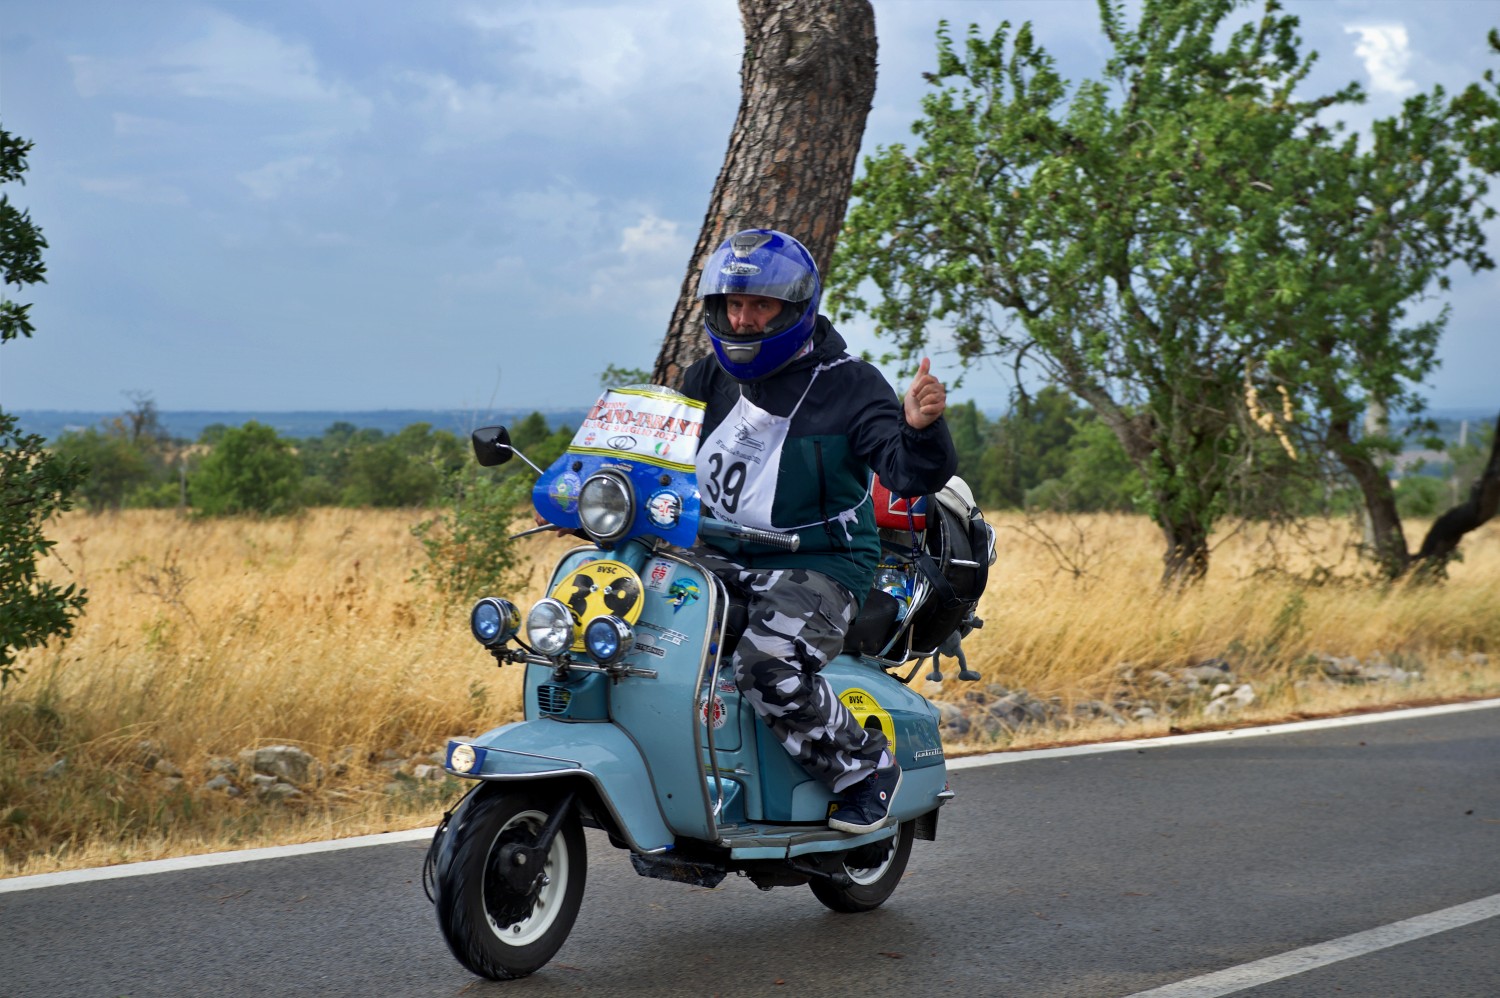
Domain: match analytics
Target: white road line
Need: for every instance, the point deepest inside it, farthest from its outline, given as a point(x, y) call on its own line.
point(1298, 961)
point(966, 762)
point(1199, 737)
point(208, 859)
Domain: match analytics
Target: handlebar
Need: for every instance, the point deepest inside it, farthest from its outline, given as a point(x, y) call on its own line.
point(721, 528)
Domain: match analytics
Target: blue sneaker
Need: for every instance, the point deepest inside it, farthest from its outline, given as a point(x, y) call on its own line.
point(867, 805)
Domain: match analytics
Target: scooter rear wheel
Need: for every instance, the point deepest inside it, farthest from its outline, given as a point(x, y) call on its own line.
point(874, 879)
point(494, 929)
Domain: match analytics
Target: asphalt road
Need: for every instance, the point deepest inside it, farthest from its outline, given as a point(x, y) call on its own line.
point(1089, 875)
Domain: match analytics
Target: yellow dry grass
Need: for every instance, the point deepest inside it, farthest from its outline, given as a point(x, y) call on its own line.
point(204, 638)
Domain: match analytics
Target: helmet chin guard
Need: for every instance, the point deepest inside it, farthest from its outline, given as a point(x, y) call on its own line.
point(770, 264)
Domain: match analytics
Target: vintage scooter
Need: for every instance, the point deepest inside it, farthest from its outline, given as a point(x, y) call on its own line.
point(633, 722)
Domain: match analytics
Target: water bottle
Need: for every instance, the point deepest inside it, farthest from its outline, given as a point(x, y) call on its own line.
point(892, 582)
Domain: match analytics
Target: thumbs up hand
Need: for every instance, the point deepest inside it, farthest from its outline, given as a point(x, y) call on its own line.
point(926, 399)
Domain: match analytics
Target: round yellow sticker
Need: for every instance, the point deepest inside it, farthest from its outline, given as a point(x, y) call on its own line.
point(596, 588)
point(863, 706)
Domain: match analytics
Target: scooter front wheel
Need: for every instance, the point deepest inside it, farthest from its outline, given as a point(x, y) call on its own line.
point(497, 924)
point(873, 871)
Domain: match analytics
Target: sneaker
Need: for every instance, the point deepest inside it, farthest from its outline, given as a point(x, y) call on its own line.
point(867, 805)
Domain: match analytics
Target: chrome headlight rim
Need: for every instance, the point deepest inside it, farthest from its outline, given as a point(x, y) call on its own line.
point(549, 627)
point(494, 621)
point(589, 502)
point(608, 639)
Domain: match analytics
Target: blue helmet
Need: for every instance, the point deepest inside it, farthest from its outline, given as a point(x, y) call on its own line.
point(768, 263)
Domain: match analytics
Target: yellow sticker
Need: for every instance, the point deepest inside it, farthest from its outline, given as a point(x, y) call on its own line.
point(864, 707)
point(596, 588)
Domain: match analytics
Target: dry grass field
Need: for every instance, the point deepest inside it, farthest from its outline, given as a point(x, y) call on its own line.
point(206, 638)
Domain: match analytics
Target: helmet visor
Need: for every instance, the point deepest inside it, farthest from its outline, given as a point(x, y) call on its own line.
point(759, 272)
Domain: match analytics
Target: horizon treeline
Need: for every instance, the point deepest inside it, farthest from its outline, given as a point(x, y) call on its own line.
point(1047, 453)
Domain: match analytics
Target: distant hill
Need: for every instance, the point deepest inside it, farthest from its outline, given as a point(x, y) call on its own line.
point(188, 424)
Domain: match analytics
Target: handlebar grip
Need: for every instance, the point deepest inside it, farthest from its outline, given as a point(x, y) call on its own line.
point(769, 537)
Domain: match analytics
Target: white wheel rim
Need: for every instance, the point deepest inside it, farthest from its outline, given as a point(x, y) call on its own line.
point(548, 900)
point(864, 876)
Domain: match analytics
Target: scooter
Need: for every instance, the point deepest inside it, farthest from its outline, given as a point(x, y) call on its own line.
point(633, 722)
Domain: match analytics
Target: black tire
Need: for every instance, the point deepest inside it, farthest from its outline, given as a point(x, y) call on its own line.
point(872, 883)
point(493, 929)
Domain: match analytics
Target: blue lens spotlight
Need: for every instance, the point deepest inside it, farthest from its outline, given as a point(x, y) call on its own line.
point(608, 639)
point(494, 621)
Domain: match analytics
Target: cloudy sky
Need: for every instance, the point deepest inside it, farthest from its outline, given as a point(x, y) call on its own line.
point(318, 204)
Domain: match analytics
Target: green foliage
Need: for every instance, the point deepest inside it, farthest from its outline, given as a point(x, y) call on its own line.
point(617, 377)
point(130, 461)
point(34, 484)
point(409, 468)
point(1097, 476)
point(1178, 243)
point(532, 438)
point(34, 487)
point(115, 467)
point(470, 552)
point(21, 242)
point(1423, 495)
point(251, 470)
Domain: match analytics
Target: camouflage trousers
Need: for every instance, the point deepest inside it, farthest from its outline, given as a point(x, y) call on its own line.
point(796, 624)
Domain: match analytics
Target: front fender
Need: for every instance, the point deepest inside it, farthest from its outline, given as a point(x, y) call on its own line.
point(601, 754)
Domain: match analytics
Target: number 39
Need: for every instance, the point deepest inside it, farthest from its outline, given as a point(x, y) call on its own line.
point(724, 481)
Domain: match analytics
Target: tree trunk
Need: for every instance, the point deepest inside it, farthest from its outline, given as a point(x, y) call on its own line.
point(1185, 562)
point(1382, 521)
point(1447, 530)
point(806, 84)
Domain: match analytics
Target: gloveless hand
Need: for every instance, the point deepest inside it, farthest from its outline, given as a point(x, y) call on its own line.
point(926, 399)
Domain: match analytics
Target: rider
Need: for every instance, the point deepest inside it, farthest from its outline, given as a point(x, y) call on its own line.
point(794, 425)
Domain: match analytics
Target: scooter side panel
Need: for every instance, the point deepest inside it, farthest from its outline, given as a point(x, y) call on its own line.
point(876, 700)
point(601, 753)
point(664, 713)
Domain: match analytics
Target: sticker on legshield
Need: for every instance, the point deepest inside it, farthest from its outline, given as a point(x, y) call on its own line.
point(865, 707)
point(600, 587)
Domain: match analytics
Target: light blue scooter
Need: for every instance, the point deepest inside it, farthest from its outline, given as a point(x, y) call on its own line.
point(633, 723)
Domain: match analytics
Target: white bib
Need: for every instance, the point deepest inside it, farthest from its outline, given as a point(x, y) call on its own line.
point(738, 464)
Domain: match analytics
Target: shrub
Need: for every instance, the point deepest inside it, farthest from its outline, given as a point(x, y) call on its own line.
point(250, 470)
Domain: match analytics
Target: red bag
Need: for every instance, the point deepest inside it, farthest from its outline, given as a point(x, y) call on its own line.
point(891, 511)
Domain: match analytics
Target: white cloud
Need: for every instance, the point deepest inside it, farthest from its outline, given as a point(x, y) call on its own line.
point(135, 190)
point(609, 71)
point(274, 179)
point(651, 235)
point(1386, 54)
point(223, 59)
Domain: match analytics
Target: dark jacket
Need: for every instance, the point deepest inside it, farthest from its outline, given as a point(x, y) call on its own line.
point(850, 423)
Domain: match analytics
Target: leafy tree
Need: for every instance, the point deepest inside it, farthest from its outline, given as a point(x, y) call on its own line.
point(250, 470)
point(1372, 228)
point(1029, 446)
point(115, 467)
point(1154, 244)
point(34, 484)
point(533, 438)
point(408, 468)
point(131, 461)
point(1096, 477)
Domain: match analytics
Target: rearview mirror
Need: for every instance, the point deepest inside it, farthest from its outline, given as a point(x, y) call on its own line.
point(491, 445)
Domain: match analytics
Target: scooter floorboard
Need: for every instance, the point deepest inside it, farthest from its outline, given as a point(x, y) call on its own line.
point(760, 841)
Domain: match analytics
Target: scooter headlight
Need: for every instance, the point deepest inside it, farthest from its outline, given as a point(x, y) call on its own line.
point(549, 627)
point(494, 621)
point(608, 639)
point(462, 757)
point(606, 505)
